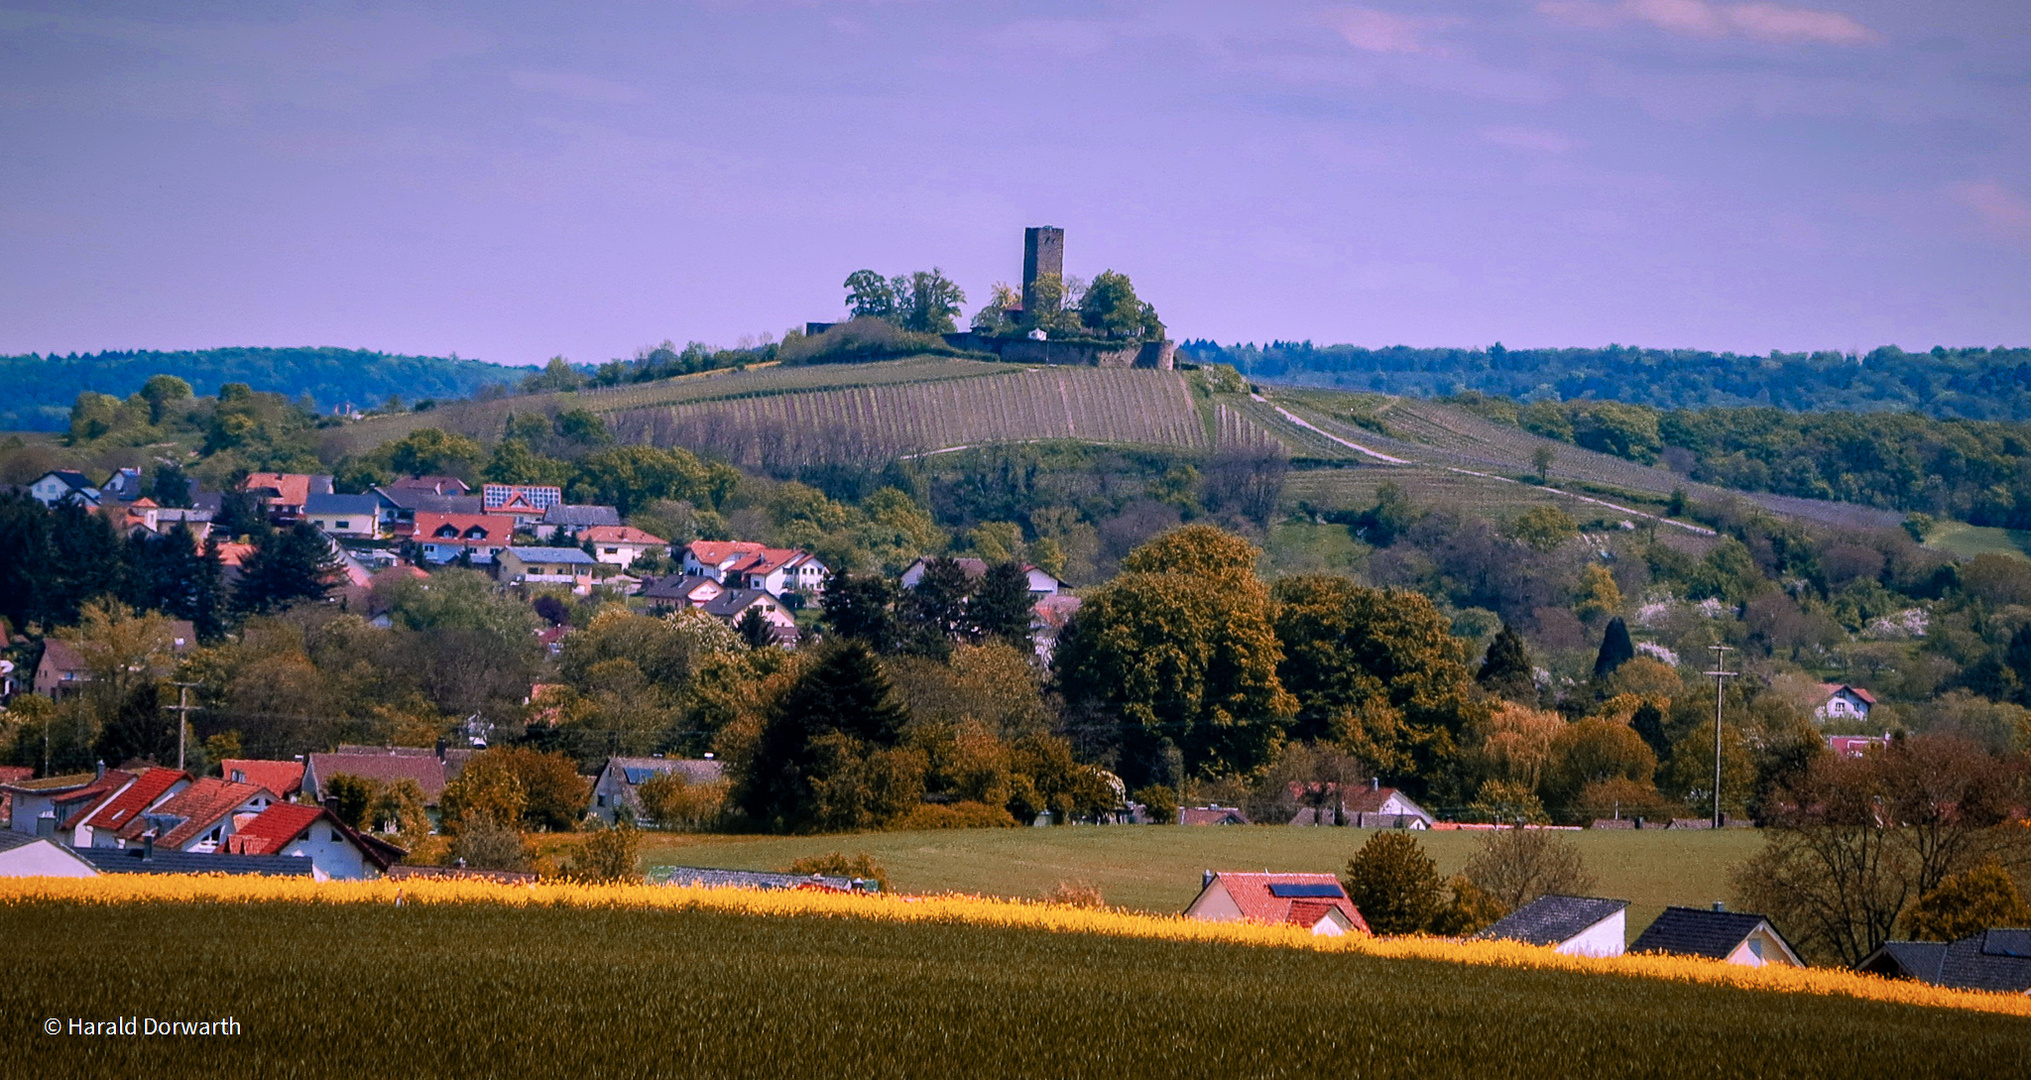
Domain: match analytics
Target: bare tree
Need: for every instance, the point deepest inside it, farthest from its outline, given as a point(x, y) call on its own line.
point(1516, 866)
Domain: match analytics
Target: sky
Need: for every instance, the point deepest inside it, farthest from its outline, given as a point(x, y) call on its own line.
point(511, 181)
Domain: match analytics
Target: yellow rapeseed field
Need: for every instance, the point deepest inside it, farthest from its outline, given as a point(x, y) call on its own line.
point(982, 911)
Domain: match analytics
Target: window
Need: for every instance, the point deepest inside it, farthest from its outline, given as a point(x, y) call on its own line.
point(613, 551)
point(342, 525)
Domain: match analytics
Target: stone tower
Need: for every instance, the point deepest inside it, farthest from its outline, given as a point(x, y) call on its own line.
point(1043, 253)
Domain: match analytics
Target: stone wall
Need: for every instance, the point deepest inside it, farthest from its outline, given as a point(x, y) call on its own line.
point(1107, 354)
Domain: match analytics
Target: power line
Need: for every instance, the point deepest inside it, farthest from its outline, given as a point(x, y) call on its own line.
point(183, 709)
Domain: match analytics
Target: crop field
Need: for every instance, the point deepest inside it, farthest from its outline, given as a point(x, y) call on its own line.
point(1157, 869)
point(340, 981)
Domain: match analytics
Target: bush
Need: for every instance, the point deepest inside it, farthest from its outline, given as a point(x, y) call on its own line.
point(1968, 903)
point(672, 801)
point(1079, 894)
point(608, 855)
point(350, 798)
point(839, 864)
point(959, 815)
point(1160, 803)
point(1470, 910)
point(484, 843)
point(1395, 884)
point(1516, 866)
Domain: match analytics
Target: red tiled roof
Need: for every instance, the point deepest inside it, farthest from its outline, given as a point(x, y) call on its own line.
point(1830, 689)
point(234, 554)
point(272, 829)
point(150, 786)
point(10, 774)
point(61, 655)
point(284, 778)
point(619, 534)
point(293, 488)
point(1251, 893)
point(201, 806)
point(714, 552)
point(499, 528)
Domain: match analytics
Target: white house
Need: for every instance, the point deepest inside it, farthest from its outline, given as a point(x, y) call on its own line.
point(621, 545)
point(297, 830)
point(201, 818)
point(1042, 582)
point(22, 855)
point(1729, 936)
point(61, 484)
point(548, 566)
point(1372, 807)
point(1316, 902)
point(347, 517)
point(1573, 925)
point(443, 537)
point(743, 564)
point(733, 604)
point(1844, 702)
point(100, 824)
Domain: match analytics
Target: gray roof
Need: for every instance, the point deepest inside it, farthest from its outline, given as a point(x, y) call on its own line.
point(72, 479)
point(430, 502)
point(1997, 960)
point(164, 861)
point(552, 554)
point(342, 504)
point(9, 839)
point(674, 586)
point(1687, 931)
point(1906, 960)
point(560, 514)
point(634, 770)
point(699, 876)
point(1553, 920)
point(733, 601)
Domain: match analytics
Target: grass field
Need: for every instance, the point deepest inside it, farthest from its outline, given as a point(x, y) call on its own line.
point(1968, 541)
point(1158, 869)
point(479, 988)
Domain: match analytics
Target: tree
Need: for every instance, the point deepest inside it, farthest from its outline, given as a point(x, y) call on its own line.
point(168, 486)
point(1540, 460)
point(1965, 904)
point(1506, 669)
point(870, 295)
point(1376, 672)
point(1179, 652)
point(1616, 649)
point(1394, 884)
point(755, 629)
point(433, 452)
point(553, 793)
point(671, 800)
point(557, 375)
point(1110, 308)
point(860, 607)
point(287, 567)
point(1593, 750)
point(1544, 528)
point(1001, 608)
point(932, 614)
point(173, 574)
point(1598, 594)
point(351, 798)
point(162, 392)
point(930, 303)
point(609, 856)
point(1159, 802)
point(490, 792)
point(829, 755)
point(1516, 866)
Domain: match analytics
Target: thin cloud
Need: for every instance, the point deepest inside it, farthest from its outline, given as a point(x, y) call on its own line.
point(1772, 23)
point(576, 87)
point(1376, 31)
point(1534, 140)
point(2000, 208)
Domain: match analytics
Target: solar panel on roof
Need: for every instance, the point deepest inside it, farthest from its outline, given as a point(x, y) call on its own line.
point(1290, 891)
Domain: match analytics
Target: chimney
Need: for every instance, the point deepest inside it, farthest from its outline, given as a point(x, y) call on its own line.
point(1718, 906)
point(1206, 880)
point(102, 768)
point(148, 846)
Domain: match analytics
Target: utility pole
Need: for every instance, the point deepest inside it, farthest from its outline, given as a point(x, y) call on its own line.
point(183, 709)
point(1720, 673)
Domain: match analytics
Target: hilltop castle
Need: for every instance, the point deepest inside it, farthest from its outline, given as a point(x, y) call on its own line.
point(1044, 253)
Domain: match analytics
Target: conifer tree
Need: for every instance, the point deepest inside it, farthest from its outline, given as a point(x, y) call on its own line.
point(1001, 607)
point(288, 567)
point(1616, 649)
point(828, 755)
point(1506, 669)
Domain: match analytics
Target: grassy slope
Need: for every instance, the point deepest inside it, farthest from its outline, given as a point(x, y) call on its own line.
point(430, 990)
point(1158, 869)
point(1967, 541)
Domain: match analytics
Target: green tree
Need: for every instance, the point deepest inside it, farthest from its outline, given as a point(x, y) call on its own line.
point(633, 476)
point(162, 393)
point(1965, 904)
point(829, 755)
point(1616, 649)
point(287, 567)
point(1179, 652)
point(1394, 884)
point(1507, 669)
point(582, 426)
point(609, 856)
point(861, 607)
point(930, 303)
point(755, 629)
point(485, 790)
point(351, 798)
point(433, 452)
point(1001, 608)
point(1110, 308)
point(514, 462)
point(1160, 803)
point(1540, 461)
point(870, 295)
point(558, 374)
point(1544, 528)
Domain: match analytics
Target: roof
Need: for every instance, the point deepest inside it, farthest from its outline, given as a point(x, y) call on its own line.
point(1698, 932)
point(1301, 899)
point(715, 552)
point(435, 485)
point(9, 839)
point(1830, 689)
point(1553, 920)
point(620, 534)
point(284, 778)
point(11, 774)
point(709, 878)
point(383, 765)
point(495, 527)
point(61, 655)
point(192, 810)
point(1997, 960)
point(423, 501)
point(1211, 815)
point(342, 504)
point(560, 514)
point(734, 601)
point(71, 479)
point(51, 784)
point(150, 786)
point(272, 829)
point(1906, 960)
point(1370, 800)
point(101, 787)
point(677, 586)
point(292, 489)
point(552, 554)
point(634, 770)
point(134, 860)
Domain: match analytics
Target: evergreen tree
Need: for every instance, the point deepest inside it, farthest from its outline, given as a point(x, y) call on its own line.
point(755, 629)
point(240, 514)
point(1001, 607)
point(827, 756)
point(1616, 649)
point(1649, 723)
point(169, 487)
point(1506, 669)
point(859, 607)
point(171, 574)
point(139, 729)
point(287, 567)
point(84, 562)
point(933, 613)
point(25, 556)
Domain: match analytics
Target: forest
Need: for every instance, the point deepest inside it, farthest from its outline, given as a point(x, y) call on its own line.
point(1962, 383)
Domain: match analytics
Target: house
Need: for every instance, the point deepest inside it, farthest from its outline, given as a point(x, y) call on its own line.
point(1573, 925)
point(733, 604)
point(433, 485)
point(144, 516)
point(284, 778)
point(1719, 934)
point(345, 517)
point(63, 670)
point(1996, 960)
point(146, 858)
point(1372, 807)
point(688, 590)
point(199, 818)
point(400, 505)
point(124, 485)
point(286, 493)
point(1854, 746)
point(64, 485)
point(548, 566)
point(574, 520)
point(47, 807)
point(382, 765)
point(1042, 582)
point(535, 497)
point(1844, 702)
point(1052, 614)
point(1212, 815)
point(743, 563)
point(1315, 902)
point(715, 558)
point(335, 850)
point(22, 855)
point(621, 545)
point(442, 538)
point(614, 789)
point(11, 774)
point(100, 824)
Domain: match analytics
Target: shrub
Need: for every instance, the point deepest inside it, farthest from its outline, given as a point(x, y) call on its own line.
point(1079, 894)
point(1395, 884)
point(350, 797)
point(1471, 909)
point(1968, 903)
point(1516, 866)
point(839, 864)
point(608, 855)
point(672, 801)
point(1160, 803)
point(959, 815)
point(484, 843)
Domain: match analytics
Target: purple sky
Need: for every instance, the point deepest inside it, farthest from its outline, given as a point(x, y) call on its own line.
point(513, 181)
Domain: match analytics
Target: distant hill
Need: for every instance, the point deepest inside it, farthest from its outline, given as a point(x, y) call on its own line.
point(1962, 384)
point(36, 391)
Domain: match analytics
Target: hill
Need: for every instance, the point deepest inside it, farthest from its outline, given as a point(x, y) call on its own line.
point(1971, 384)
point(36, 391)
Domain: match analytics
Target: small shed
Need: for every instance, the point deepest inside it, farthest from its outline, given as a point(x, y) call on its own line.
point(1729, 936)
point(1573, 925)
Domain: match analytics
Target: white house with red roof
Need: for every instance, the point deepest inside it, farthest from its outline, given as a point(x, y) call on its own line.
point(443, 537)
point(1368, 807)
point(296, 830)
point(51, 805)
point(284, 778)
point(1314, 902)
point(199, 818)
point(1844, 702)
point(621, 545)
point(286, 493)
point(742, 564)
point(100, 825)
